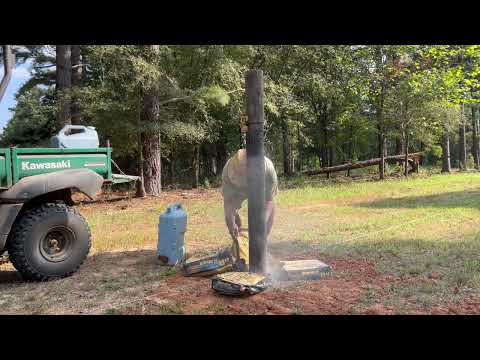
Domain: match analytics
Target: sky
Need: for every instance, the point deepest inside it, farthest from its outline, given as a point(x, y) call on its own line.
point(20, 75)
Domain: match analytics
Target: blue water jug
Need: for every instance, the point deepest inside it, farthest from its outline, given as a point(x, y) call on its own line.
point(171, 233)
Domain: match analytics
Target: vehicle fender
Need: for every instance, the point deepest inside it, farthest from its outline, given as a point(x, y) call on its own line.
point(83, 180)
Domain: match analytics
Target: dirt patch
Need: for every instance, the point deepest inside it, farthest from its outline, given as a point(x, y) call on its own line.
point(333, 295)
point(132, 282)
point(344, 292)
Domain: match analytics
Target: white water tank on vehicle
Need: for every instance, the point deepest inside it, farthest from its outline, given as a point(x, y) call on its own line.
point(76, 137)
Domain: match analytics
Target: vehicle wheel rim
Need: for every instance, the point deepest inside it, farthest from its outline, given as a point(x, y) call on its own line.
point(56, 245)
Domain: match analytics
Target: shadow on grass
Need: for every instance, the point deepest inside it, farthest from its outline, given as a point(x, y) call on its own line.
point(454, 199)
point(105, 277)
point(134, 265)
point(116, 270)
point(104, 201)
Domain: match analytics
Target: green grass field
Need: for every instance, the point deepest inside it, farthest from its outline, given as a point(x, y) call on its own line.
point(420, 226)
point(424, 230)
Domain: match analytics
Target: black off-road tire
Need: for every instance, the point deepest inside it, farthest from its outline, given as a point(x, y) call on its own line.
point(26, 243)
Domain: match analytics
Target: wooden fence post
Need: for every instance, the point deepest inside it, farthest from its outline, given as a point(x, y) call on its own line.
point(257, 233)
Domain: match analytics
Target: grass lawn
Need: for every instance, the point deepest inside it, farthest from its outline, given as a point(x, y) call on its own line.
point(397, 246)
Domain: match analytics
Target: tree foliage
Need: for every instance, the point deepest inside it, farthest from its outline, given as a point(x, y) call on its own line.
point(324, 104)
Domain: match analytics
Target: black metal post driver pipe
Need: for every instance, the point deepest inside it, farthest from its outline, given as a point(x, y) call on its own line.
point(257, 231)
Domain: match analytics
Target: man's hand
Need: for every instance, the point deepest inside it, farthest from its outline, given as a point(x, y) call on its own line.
point(238, 221)
point(270, 215)
point(231, 220)
point(234, 231)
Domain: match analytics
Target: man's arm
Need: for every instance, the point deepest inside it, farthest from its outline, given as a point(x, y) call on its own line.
point(230, 216)
point(238, 221)
point(271, 189)
point(270, 215)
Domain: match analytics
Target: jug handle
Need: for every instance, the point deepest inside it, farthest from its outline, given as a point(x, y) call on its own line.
point(69, 127)
point(176, 206)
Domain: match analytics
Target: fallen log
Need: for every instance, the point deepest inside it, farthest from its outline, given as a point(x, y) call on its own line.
point(414, 158)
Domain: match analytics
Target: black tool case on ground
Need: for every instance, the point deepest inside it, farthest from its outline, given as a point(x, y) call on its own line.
point(240, 283)
point(216, 264)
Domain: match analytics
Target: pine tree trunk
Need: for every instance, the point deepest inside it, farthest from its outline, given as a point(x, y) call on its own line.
point(221, 149)
point(322, 134)
point(381, 143)
point(381, 154)
point(8, 65)
point(475, 139)
point(406, 152)
point(172, 170)
point(331, 156)
point(151, 140)
point(329, 159)
point(286, 148)
point(202, 169)
point(240, 138)
point(63, 84)
point(300, 150)
point(324, 147)
point(422, 149)
point(172, 166)
point(196, 167)
point(446, 166)
point(350, 147)
point(77, 72)
point(381, 133)
point(152, 171)
point(399, 145)
point(213, 161)
point(381, 166)
point(141, 183)
point(462, 142)
point(323, 156)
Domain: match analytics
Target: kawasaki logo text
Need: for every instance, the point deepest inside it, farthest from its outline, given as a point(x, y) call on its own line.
point(64, 164)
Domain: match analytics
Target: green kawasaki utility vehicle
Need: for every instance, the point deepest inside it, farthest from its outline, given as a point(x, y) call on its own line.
point(44, 236)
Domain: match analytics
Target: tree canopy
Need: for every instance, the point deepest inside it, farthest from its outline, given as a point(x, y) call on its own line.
point(325, 104)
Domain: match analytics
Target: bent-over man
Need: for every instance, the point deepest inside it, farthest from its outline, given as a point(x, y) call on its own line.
point(235, 192)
